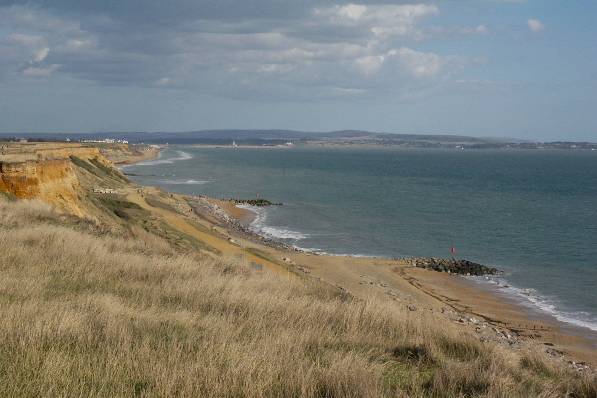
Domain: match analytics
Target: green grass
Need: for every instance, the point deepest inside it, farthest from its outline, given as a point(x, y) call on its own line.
point(98, 169)
point(177, 238)
point(84, 165)
point(113, 202)
point(461, 349)
point(107, 170)
point(537, 365)
point(406, 376)
point(152, 201)
point(127, 213)
point(263, 255)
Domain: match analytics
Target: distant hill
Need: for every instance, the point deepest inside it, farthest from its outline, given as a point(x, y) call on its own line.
point(331, 138)
point(249, 135)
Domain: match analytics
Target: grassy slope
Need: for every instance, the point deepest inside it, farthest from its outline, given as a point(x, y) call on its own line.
point(89, 314)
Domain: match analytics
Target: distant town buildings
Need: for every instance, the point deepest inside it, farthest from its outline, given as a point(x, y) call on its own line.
point(107, 141)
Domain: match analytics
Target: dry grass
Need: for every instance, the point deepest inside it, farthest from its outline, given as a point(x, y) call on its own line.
point(84, 315)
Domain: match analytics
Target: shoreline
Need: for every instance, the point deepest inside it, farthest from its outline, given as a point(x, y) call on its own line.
point(481, 282)
point(489, 314)
point(533, 310)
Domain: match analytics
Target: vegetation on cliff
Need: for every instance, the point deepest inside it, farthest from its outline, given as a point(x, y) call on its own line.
point(90, 313)
point(99, 169)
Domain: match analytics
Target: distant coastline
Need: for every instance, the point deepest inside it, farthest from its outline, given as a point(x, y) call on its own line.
point(280, 138)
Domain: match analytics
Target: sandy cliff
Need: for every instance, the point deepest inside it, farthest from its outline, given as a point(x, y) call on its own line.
point(52, 181)
point(47, 172)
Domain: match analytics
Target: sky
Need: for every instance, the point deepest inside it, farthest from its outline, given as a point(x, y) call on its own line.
point(499, 68)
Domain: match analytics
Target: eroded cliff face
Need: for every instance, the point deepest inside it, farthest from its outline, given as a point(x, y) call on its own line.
point(46, 172)
point(53, 181)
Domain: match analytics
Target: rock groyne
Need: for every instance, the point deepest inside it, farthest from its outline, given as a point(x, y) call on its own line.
point(254, 202)
point(452, 266)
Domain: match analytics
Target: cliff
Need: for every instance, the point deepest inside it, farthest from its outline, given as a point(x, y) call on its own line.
point(52, 181)
point(51, 172)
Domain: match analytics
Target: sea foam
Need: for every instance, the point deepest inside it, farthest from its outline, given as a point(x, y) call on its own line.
point(259, 226)
point(531, 299)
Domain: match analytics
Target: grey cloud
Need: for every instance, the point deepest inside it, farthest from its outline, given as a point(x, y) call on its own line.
point(225, 47)
point(159, 11)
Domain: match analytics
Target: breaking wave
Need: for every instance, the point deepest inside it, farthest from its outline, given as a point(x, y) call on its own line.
point(259, 226)
point(531, 299)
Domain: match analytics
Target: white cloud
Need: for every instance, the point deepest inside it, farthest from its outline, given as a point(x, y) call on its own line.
point(416, 63)
point(352, 11)
point(535, 25)
point(420, 64)
point(370, 64)
point(36, 72)
point(41, 54)
point(382, 20)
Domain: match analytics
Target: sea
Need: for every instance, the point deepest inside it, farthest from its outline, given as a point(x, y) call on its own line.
point(530, 213)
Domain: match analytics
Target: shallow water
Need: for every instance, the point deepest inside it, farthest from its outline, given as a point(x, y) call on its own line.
point(530, 213)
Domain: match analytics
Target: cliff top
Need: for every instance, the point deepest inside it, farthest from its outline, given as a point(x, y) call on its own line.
point(13, 152)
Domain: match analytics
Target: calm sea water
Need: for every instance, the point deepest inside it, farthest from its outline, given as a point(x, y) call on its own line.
point(530, 213)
